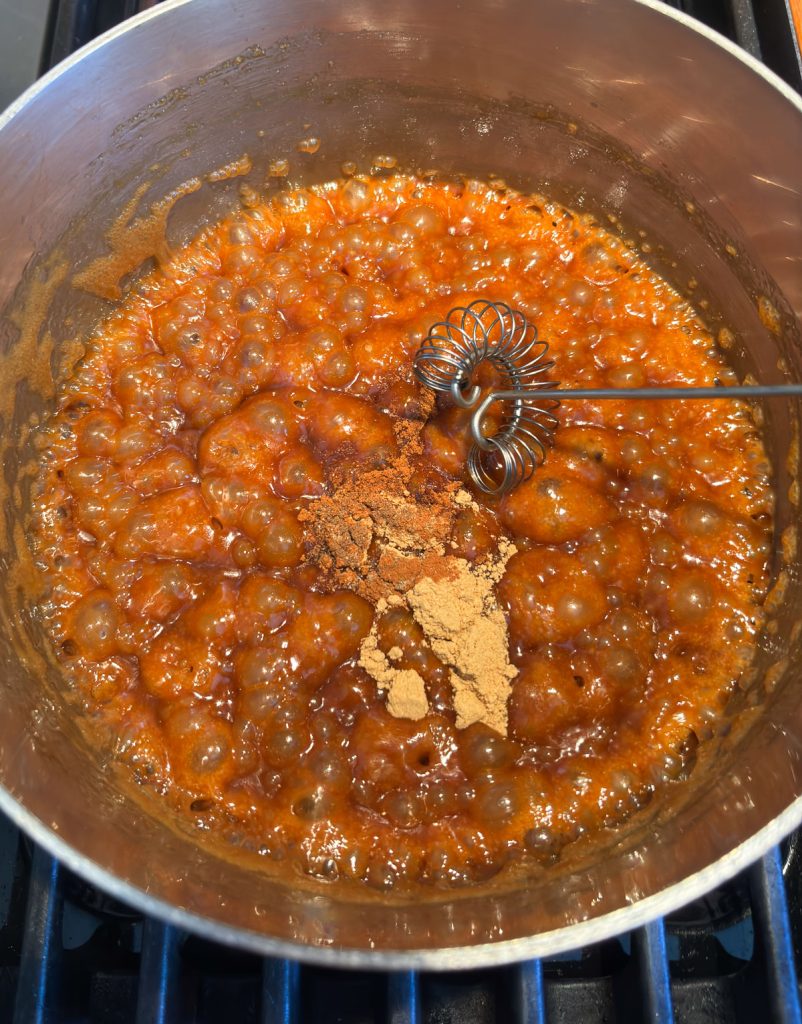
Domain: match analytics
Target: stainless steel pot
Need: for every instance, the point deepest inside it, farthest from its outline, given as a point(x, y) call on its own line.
point(621, 107)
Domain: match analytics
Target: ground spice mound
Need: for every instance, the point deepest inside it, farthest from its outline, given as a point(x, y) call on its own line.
point(406, 690)
point(467, 631)
point(372, 535)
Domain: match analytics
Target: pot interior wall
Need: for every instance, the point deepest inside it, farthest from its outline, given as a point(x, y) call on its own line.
point(611, 110)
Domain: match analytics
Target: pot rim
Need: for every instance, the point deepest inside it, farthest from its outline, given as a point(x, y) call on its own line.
point(487, 954)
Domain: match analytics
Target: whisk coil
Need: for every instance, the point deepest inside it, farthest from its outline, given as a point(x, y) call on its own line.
point(493, 332)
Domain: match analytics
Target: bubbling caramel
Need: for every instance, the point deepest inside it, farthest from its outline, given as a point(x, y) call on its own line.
point(254, 392)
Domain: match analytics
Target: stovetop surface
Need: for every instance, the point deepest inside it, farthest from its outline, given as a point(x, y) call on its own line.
point(68, 953)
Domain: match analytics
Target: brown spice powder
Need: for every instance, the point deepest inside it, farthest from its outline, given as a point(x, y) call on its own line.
point(406, 690)
point(466, 630)
point(374, 537)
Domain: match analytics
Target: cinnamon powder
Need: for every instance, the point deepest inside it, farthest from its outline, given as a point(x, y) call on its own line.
point(375, 537)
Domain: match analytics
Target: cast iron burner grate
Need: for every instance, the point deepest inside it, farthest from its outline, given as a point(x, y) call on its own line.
point(70, 954)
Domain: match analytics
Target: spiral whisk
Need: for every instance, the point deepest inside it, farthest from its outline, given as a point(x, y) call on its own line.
point(492, 332)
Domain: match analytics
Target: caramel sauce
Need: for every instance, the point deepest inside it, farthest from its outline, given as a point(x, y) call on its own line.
point(270, 359)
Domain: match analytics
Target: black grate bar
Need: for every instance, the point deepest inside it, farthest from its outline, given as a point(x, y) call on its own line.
point(71, 24)
point(651, 957)
point(403, 998)
point(781, 50)
point(773, 930)
point(743, 19)
point(158, 994)
point(40, 967)
point(280, 991)
point(529, 997)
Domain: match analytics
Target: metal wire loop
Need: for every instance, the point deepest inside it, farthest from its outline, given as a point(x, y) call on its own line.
point(524, 425)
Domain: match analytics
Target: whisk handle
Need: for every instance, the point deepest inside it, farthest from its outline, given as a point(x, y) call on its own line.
point(745, 391)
